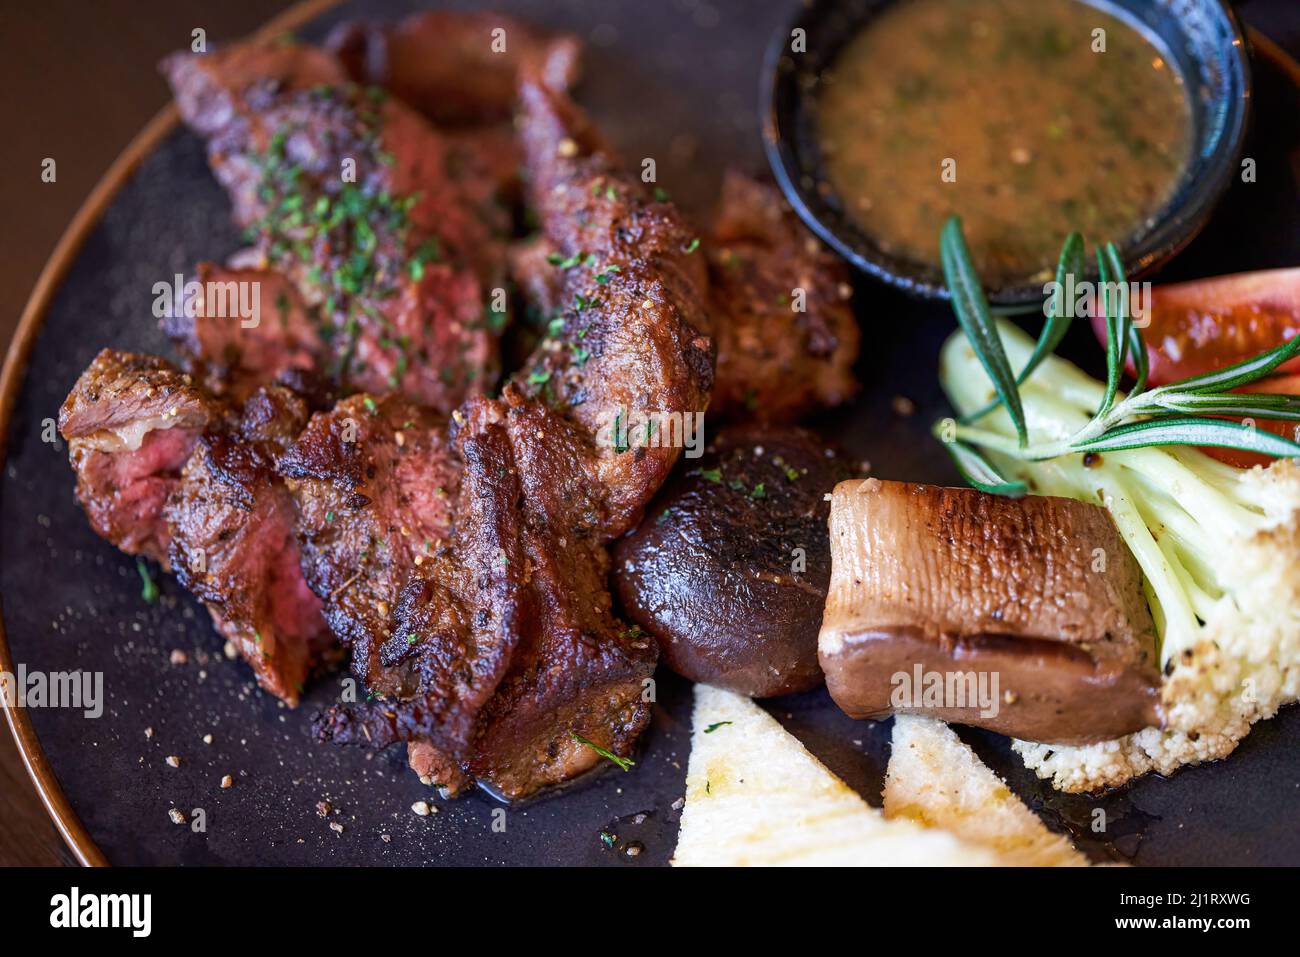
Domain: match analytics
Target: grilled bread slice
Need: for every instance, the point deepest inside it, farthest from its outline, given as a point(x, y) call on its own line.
point(756, 797)
point(936, 780)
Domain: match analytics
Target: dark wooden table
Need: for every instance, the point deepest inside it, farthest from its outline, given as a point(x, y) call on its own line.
point(79, 82)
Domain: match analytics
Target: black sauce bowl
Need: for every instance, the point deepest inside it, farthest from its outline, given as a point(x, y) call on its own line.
point(1202, 39)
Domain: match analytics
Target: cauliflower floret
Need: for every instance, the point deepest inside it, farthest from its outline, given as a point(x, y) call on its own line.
point(1243, 667)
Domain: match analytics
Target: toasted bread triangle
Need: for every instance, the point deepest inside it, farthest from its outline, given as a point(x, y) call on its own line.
point(755, 796)
point(935, 779)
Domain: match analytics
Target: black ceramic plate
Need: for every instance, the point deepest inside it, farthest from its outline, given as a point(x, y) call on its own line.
point(677, 81)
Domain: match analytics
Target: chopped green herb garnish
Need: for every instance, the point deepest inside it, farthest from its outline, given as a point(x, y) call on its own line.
point(713, 475)
point(148, 587)
point(715, 726)
point(555, 259)
point(349, 240)
point(625, 763)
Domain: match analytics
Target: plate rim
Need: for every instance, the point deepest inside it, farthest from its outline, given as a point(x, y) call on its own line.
point(13, 376)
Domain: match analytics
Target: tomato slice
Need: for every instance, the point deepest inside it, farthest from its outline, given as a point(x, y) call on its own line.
point(1282, 384)
point(1194, 327)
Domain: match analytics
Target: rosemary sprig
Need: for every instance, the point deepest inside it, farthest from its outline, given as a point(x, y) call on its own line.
point(1058, 318)
point(1282, 407)
point(1187, 430)
point(980, 473)
point(977, 322)
point(1131, 335)
point(1058, 321)
point(1173, 414)
point(1118, 322)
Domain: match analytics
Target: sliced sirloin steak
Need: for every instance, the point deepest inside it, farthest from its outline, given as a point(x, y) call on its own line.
point(389, 231)
point(165, 470)
point(488, 617)
point(234, 545)
point(509, 633)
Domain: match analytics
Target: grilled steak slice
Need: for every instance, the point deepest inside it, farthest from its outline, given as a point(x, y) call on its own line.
point(131, 422)
point(627, 354)
point(165, 470)
point(779, 358)
point(456, 68)
point(375, 481)
point(503, 643)
point(222, 96)
point(234, 357)
point(730, 568)
point(452, 68)
point(388, 232)
point(504, 646)
point(1040, 593)
point(234, 545)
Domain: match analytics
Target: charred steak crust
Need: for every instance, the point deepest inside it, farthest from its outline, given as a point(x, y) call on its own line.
point(629, 340)
point(234, 546)
point(375, 482)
